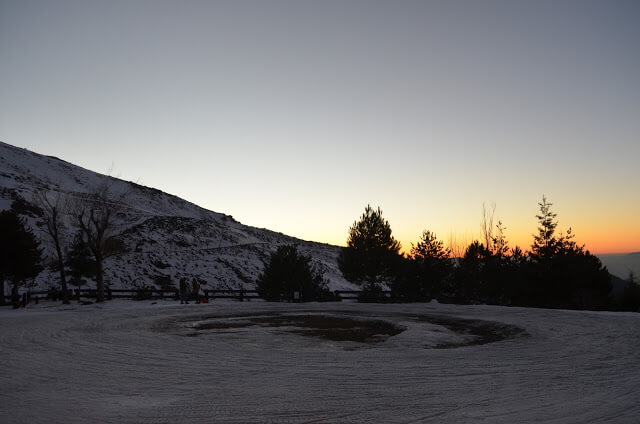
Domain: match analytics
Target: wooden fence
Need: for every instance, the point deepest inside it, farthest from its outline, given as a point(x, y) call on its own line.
point(150, 293)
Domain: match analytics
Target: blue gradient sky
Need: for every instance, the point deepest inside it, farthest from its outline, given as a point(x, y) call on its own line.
point(293, 115)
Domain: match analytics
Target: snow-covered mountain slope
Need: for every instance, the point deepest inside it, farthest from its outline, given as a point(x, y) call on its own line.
point(165, 237)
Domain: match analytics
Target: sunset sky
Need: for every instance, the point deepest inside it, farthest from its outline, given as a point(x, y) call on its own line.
point(294, 115)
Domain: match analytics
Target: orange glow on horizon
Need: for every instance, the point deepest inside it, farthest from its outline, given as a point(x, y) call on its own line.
point(597, 242)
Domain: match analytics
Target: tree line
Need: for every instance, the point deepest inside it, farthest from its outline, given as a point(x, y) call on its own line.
point(555, 272)
point(94, 218)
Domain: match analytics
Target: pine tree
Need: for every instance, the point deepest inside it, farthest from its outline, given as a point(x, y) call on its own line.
point(20, 252)
point(426, 269)
point(372, 252)
point(289, 271)
point(563, 273)
point(545, 244)
point(429, 248)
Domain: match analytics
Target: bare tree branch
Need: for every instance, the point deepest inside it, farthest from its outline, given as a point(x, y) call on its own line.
point(96, 217)
point(54, 207)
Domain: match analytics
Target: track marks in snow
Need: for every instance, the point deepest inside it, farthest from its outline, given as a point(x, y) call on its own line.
point(128, 363)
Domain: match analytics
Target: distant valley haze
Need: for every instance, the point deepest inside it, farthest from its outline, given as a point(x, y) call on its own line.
point(621, 265)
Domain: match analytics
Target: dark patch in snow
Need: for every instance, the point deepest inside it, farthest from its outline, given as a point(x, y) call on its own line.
point(361, 329)
point(483, 332)
point(330, 327)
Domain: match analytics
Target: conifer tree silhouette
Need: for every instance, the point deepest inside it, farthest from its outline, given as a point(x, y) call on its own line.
point(372, 252)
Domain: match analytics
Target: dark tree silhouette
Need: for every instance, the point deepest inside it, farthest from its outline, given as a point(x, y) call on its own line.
point(545, 288)
point(500, 245)
point(545, 243)
point(372, 253)
point(424, 272)
point(20, 252)
point(97, 218)
point(289, 271)
point(631, 295)
point(563, 273)
point(80, 261)
point(54, 208)
point(468, 277)
point(517, 289)
point(586, 280)
point(497, 273)
point(429, 248)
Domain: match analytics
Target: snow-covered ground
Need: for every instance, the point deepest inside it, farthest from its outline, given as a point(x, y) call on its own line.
point(138, 362)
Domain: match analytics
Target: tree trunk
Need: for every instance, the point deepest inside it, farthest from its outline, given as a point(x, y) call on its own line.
point(63, 278)
point(15, 299)
point(99, 280)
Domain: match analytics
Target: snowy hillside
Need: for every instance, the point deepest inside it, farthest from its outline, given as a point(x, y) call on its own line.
point(165, 237)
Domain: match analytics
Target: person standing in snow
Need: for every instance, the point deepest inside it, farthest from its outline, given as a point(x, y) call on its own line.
point(184, 293)
point(195, 290)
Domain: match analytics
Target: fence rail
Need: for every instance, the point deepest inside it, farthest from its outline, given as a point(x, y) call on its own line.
point(149, 293)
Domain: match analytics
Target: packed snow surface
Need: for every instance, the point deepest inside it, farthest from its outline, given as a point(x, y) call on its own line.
point(223, 362)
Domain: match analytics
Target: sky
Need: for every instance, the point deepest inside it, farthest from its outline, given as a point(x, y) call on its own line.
point(294, 115)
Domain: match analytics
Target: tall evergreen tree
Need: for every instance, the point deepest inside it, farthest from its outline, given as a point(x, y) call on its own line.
point(20, 252)
point(543, 286)
point(563, 273)
point(425, 271)
point(372, 252)
point(545, 243)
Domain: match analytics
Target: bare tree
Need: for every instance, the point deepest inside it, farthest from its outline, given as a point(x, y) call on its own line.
point(97, 218)
point(456, 245)
point(54, 209)
point(487, 225)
